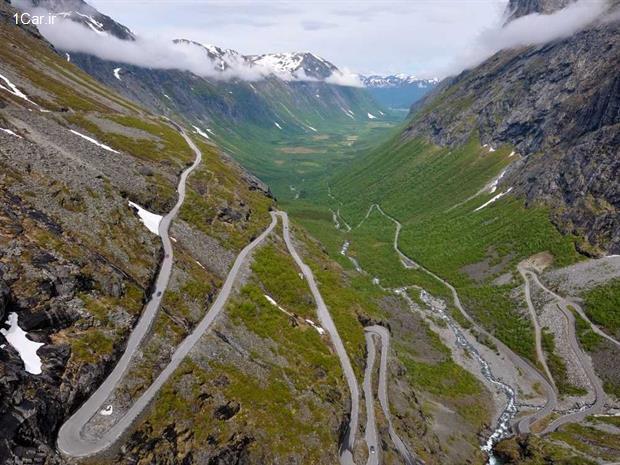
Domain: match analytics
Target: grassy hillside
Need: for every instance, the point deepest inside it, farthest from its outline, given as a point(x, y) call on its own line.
point(293, 162)
point(434, 192)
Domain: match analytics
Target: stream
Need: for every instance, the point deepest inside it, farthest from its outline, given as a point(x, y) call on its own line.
point(502, 428)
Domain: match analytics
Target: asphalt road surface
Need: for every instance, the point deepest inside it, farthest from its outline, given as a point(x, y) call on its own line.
point(371, 438)
point(70, 439)
point(346, 457)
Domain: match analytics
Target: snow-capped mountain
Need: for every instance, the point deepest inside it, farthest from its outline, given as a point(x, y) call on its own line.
point(290, 66)
point(398, 91)
point(222, 58)
point(396, 80)
point(81, 12)
point(295, 65)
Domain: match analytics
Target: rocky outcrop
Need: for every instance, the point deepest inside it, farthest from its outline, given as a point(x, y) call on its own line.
point(518, 8)
point(558, 105)
point(4, 298)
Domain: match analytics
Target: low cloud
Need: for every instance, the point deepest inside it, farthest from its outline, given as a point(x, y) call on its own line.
point(73, 37)
point(344, 77)
point(148, 53)
point(534, 29)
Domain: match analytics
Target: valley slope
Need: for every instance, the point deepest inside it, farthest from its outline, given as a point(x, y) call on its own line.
point(475, 219)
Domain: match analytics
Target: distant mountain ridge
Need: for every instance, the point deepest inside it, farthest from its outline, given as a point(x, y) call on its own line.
point(396, 80)
point(290, 66)
point(291, 92)
point(398, 91)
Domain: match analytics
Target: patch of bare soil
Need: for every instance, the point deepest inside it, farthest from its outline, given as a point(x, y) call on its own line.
point(538, 262)
point(491, 266)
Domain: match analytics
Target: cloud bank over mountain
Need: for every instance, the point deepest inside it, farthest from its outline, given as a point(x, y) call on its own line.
point(533, 29)
point(202, 60)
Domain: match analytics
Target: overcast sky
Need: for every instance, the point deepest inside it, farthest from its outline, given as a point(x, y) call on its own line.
point(421, 37)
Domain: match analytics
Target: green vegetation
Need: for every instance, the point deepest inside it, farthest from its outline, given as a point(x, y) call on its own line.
point(55, 75)
point(302, 344)
point(610, 420)
point(280, 276)
point(427, 188)
point(91, 346)
point(612, 388)
point(282, 403)
point(590, 440)
point(534, 450)
point(296, 162)
point(451, 383)
point(166, 143)
point(349, 298)
point(602, 305)
point(217, 187)
point(589, 340)
point(557, 366)
point(432, 191)
point(269, 412)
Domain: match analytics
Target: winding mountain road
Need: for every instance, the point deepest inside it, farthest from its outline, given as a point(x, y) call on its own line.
point(370, 435)
point(346, 453)
point(371, 429)
point(600, 397)
point(525, 422)
point(537, 331)
point(578, 309)
point(71, 441)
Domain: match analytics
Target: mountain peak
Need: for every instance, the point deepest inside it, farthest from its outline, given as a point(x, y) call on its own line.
point(223, 58)
point(296, 64)
point(81, 12)
point(519, 8)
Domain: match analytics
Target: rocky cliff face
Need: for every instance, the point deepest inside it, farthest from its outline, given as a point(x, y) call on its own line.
point(518, 8)
point(558, 105)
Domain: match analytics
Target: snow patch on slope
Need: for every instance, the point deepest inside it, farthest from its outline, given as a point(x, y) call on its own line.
point(497, 197)
point(117, 73)
point(12, 89)
point(150, 220)
point(201, 132)
point(8, 131)
point(493, 185)
point(26, 348)
point(318, 328)
point(93, 141)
